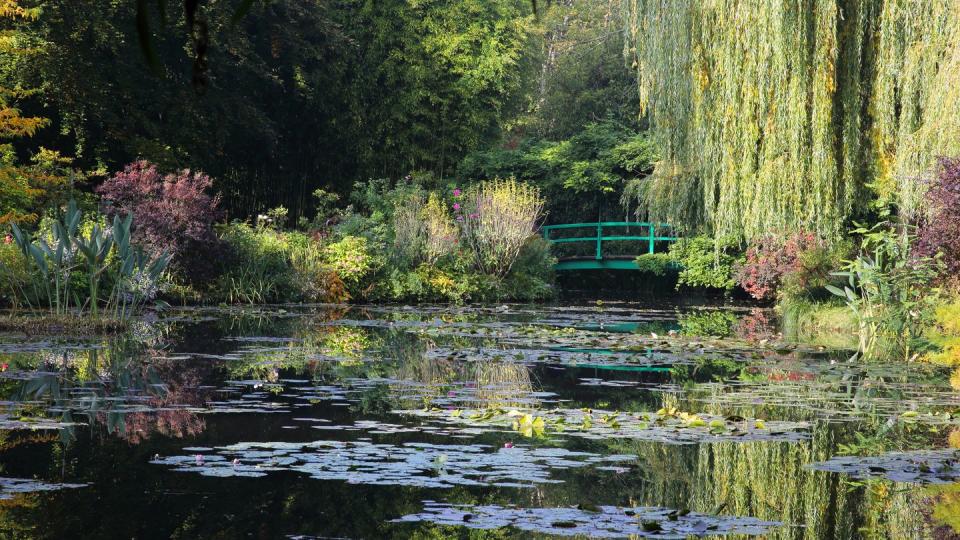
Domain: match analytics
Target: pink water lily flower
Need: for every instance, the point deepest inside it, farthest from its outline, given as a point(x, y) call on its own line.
point(456, 206)
point(456, 192)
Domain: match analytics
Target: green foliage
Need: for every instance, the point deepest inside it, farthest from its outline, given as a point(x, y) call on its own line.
point(354, 261)
point(944, 333)
point(657, 264)
point(582, 77)
point(813, 271)
point(496, 220)
point(315, 280)
point(257, 268)
point(14, 273)
point(263, 265)
point(590, 168)
point(715, 323)
point(452, 69)
point(705, 262)
point(829, 97)
point(888, 292)
point(325, 205)
point(825, 323)
point(531, 277)
point(99, 258)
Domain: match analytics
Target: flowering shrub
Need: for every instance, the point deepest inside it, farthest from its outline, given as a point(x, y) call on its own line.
point(799, 262)
point(351, 258)
point(171, 210)
point(939, 231)
point(496, 219)
point(423, 229)
point(440, 231)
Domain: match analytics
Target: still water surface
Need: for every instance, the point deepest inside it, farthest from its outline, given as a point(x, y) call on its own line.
point(508, 421)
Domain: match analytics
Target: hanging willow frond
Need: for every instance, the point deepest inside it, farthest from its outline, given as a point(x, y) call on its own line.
point(782, 112)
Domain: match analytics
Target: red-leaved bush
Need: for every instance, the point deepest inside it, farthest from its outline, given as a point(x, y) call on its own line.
point(939, 231)
point(170, 212)
point(770, 258)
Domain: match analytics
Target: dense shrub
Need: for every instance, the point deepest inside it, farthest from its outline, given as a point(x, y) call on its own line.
point(939, 231)
point(409, 230)
point(532, 275)
point(315, 280)
point(496, 219)
point(944, 332)
point(257, 268)
point(657, 264)
point(173, 211)
point(14, 272)
point(705, 262)
point(353, 260)
point(793, 265)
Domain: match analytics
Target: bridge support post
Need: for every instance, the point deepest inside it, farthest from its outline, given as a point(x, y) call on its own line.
point(650, 228)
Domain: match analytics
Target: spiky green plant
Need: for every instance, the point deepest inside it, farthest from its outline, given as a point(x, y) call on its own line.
point(105, 257)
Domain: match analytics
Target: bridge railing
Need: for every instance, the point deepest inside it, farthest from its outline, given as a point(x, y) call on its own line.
point(649, 234)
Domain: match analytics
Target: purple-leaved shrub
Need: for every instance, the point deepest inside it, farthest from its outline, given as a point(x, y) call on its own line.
point(939, 231)
point(171, 212)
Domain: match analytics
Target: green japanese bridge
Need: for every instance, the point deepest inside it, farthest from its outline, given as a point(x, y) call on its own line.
point(647, 240)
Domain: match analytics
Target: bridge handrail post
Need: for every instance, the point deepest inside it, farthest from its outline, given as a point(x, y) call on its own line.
point(599, 241)
point(650, 228)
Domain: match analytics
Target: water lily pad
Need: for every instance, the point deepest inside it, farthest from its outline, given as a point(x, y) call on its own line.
point(670, 427)
point(10, 487)
point(920, 467)
point(598, 522)
point(410, 464)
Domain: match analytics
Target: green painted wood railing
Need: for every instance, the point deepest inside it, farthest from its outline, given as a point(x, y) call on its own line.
point(649, 234)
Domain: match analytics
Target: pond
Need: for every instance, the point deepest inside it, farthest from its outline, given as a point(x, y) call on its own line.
point(597, 420)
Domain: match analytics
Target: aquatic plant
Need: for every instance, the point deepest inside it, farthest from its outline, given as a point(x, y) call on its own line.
point(10, 487)
point(888, 292)
point(925, 467)
point(409, 464)
point(105, 256)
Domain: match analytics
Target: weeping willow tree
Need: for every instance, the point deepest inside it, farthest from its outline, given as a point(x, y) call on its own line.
point(789, 114)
